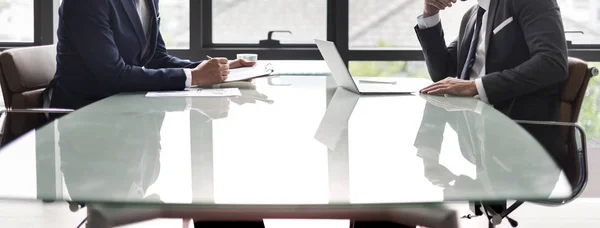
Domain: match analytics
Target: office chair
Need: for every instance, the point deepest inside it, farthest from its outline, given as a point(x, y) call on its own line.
point(24, 74)
point(572, 96)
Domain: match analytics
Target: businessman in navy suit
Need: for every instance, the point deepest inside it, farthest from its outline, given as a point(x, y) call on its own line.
point(107, 47)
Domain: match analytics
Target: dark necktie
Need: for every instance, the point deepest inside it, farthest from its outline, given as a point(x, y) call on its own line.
point(473, 48)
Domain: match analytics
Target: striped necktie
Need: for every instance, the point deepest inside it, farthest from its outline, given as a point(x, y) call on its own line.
point(473, 48)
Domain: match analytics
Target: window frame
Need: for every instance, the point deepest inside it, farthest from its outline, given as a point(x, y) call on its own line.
point(201, 38)
point(337, 15)
point(43, 26)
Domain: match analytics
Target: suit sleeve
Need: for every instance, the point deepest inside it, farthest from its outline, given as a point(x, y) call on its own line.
point(431, 132)
point(543, 31)
point(88, 27)
point(441, 59)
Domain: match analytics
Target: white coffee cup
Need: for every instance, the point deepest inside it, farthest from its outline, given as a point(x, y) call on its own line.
point(248, 57)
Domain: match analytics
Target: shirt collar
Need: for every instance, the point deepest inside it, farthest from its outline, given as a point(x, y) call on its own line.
point(485, 4)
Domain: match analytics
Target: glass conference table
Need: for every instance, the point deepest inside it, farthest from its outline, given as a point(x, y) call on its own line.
point(289, 147)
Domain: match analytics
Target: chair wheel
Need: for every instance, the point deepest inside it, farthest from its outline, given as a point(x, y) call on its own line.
point(74, 207)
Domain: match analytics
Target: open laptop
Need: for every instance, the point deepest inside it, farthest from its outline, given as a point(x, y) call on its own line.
point(344, 79)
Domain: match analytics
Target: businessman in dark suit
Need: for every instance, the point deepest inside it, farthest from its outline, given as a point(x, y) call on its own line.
point(107, 47)
point(515, 59)
point(511, 54)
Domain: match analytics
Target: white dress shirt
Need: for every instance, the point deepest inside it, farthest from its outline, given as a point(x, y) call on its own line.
point(478, 69)
point(145, 18)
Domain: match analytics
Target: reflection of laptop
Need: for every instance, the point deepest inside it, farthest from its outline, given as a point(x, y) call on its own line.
point(344, 79)
point(336, 118)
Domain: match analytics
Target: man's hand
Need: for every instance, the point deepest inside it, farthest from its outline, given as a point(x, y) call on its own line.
point(238, 63)
point(452, 86)
point(438, 174)
point(433, 7)
point(210, 72)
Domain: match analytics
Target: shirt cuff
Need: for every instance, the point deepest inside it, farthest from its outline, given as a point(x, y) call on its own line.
point(481, 90)
point(188, 75)
point(428, 22)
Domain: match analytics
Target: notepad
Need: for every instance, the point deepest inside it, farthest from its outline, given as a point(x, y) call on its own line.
point(197, 92)
point(249, 73)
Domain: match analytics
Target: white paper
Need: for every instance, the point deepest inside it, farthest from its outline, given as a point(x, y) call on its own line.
point(198, 92)
point(246, 73)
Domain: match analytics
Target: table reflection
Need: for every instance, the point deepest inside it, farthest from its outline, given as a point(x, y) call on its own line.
point(464, 148)
point(281, 149)
point(504, 164)
point(120, 154)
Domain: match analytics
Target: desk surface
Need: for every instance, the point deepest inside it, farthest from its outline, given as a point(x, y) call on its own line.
point(289, 141)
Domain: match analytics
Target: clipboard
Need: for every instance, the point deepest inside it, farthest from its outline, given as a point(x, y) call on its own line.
point(249, 73)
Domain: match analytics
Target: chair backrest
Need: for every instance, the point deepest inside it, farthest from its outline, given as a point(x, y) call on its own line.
point(24, 74)
point(574, 90)
point(572, 96)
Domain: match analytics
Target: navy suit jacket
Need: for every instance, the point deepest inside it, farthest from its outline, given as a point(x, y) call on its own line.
point(100, 53)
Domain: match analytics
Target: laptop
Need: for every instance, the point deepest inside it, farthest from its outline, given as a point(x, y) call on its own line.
point(344, 79)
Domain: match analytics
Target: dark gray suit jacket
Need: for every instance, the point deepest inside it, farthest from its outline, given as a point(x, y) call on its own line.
point(526, 60)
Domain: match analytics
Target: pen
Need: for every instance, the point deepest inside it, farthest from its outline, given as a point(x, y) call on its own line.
point(376, 82)
point(208, 57)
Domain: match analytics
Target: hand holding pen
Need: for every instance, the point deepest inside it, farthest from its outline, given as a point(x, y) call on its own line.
point(210, 72)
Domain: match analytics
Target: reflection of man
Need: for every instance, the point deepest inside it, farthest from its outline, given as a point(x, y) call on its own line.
point(499, 171)
point(117, 153)
point(429, 142)
point(107, 47)
point(114, 155)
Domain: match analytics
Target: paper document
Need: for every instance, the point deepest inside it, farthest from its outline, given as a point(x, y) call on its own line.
point(198, 92)
point(248, 73)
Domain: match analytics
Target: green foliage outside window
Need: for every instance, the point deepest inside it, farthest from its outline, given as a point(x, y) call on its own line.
point(590, 110)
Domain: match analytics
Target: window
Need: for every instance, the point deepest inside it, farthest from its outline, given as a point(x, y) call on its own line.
point(590, 110)
point(580, 15)
point(175, 23)
point(409, 69)
point(385, 24)
point(248, 22)
point(16, 21)
point(581, 4)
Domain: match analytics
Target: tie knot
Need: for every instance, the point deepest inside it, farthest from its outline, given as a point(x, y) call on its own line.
point(480, 12)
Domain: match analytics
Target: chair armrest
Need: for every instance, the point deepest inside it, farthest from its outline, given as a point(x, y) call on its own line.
point(554, 123)
point(582, 157)
point(37, 110)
